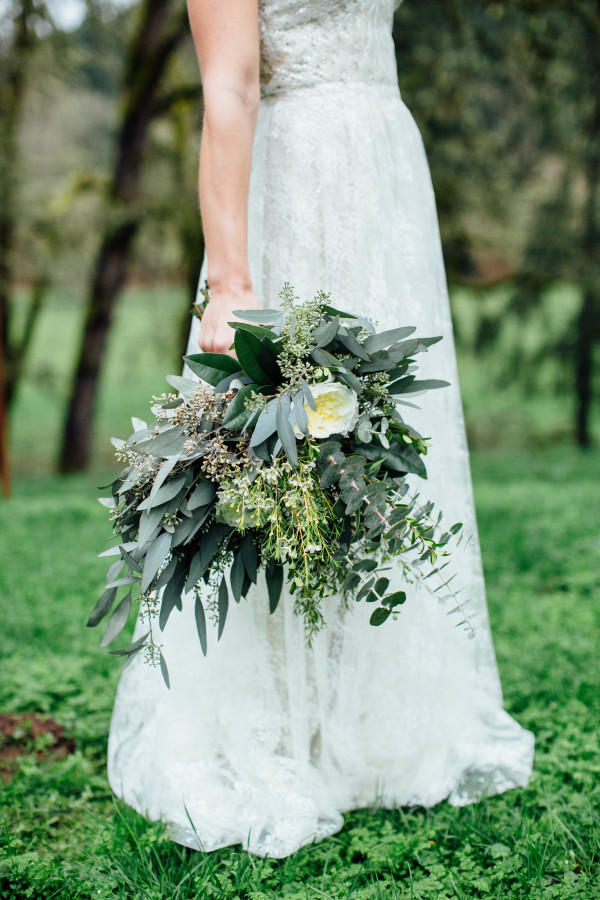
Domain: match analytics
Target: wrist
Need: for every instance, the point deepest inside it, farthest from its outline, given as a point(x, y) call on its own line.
point(231, 283)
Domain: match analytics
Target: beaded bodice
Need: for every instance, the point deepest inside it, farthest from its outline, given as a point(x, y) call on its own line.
point(310, 42)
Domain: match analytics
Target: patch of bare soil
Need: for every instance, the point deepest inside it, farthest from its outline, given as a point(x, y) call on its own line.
point(27, 733)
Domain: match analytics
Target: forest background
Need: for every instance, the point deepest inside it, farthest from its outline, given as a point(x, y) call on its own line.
point(99, 220)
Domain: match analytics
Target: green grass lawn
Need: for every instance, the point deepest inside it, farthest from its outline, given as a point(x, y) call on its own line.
point(64, 836)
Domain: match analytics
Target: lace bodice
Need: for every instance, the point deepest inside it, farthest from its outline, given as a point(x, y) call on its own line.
point(320, 41)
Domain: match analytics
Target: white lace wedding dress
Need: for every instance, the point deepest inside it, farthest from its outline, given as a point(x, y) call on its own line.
point(264, 741)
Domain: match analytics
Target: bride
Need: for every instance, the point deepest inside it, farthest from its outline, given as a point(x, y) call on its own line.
point(312, 170)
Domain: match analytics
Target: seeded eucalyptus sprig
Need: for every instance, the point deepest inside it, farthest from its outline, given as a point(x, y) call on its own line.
point(292, 458)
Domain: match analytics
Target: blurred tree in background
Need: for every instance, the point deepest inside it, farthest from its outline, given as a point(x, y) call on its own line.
point(505, 92)
point(507, 95)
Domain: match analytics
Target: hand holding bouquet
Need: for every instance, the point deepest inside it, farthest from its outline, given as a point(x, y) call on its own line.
point(291, 457)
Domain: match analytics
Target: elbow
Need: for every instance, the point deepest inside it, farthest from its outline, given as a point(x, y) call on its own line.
point(239, 93)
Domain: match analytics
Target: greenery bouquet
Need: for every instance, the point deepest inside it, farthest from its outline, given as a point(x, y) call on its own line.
point(291, 457)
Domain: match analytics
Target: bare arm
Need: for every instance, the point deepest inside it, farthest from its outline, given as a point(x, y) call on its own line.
point(226, 37)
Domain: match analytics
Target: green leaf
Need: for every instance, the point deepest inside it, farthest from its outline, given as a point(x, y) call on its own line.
point(202, 494)
point(121, 582)
point(168, 443)
point(395, 599)
point(426, 384)
point(249, 558)
point(266, 424)
point(260, 331)
point(300, 416)
point(258, 358)
point(210, 543)
point(133, 648)
point(212, 367)
point(268, 316)
point(185, 386)
point(236, 414)
point(379, 615)
point(236, 577)
point(166, 574)
point(102, 607)
point(308, 394)
point(332, 311)
point(365, 588)
point(351, 581)
point(164, 670)
point(200, 623)
point(396, 459)
point(171, 597)
point(384, 339)
point(348, 339)
point(323, 358)
point(381, 586)
point(223, 606)
point(155, 557)
point(274, 577)
point(326, 332)
point(128, 558)
point(350, 380)
point(285, 430)
point(117, 621)
point(167, 492)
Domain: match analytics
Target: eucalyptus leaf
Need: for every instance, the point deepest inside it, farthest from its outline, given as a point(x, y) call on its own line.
point(223, 603)
point(133, 648)
point(168, 491)
point(383, 339)
point(117, 621)
point(236, 576)
point(266, 424)
point(150, 520)
point(171, 597)
point(379, 615)
point(325, 333)
point(249, 558)
point(349, 341)
point(121, 582)
point(185, 386)
point(164, 670)
point(427, 384)
point(116, 550)
point(299, 412)
point(169, 442)
point(308, 394)
point(102, 607)
point(285, 430)
point(200, 622)
point(202, 494)
point(155, 557)
point(267, 316)
point(274, 579)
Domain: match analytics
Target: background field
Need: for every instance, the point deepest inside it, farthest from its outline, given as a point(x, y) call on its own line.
point(65, 836)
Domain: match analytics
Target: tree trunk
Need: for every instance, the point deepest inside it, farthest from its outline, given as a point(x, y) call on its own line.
point(12, 93)
point(588, 323)
point(151, 48)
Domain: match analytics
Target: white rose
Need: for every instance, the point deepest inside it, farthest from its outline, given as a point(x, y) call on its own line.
point(336, 412)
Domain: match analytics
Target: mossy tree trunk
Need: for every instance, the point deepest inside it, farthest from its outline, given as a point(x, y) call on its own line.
point(162, 26)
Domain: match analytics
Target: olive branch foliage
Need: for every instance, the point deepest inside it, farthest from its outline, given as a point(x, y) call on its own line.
point(229, 480)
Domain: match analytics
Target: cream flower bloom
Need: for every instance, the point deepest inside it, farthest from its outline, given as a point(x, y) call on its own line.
point(336, 412)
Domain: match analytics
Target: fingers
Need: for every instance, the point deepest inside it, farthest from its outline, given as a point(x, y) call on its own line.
point(217, 341)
